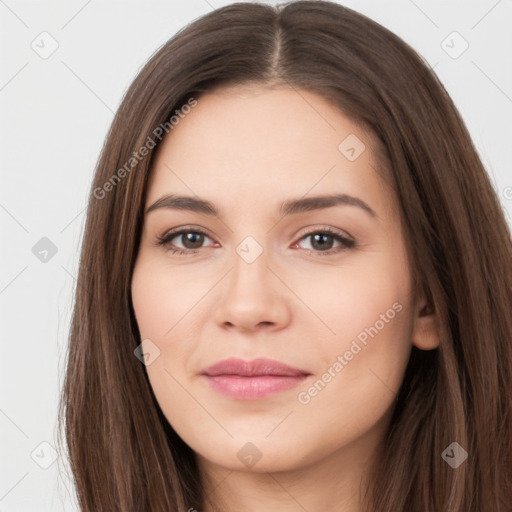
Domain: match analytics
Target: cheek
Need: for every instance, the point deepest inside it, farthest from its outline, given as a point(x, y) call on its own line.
point(162, 298)
point(350, 298)
point(368, 309)
point(160, 303)
point(362, 369)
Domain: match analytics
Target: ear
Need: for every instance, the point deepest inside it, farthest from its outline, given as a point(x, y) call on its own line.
point(425, 332)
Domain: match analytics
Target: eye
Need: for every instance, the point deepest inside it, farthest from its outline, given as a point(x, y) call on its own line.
point(323, 242)
point(192, 240)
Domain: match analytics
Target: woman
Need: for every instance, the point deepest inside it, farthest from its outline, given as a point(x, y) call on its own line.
point(295, 282)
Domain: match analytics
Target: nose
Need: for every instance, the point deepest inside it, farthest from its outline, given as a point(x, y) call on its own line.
point(253, 297)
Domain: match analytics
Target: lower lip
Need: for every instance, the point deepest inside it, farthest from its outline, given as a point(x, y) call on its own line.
point(253, 388)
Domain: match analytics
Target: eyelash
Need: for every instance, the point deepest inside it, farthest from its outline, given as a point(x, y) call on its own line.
point(164, 241)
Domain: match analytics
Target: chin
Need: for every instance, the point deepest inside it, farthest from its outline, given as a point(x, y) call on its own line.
point(258, 455)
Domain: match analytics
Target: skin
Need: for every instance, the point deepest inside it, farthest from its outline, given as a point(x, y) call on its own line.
point(247, 149)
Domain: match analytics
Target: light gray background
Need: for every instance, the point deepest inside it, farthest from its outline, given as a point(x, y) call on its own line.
point(54, 116)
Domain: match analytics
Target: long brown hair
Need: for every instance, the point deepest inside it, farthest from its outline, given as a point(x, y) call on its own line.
point(123, 453)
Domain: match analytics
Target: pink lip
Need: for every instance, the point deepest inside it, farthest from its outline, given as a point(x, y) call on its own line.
point(252, 380)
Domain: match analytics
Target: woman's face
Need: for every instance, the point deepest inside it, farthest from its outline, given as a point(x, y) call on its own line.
point(266, 281)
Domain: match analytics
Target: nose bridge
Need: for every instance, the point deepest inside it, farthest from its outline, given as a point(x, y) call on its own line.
point(251, 250)
point(252, 295)
point(250, 262)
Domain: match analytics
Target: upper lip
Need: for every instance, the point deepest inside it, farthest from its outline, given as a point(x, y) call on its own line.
point(254, 368)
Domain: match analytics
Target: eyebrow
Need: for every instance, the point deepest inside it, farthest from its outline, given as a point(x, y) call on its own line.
point(289, 207)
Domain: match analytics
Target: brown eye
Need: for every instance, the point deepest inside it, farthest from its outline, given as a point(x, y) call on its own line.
point(192, 240)
point(183, 241)
point(323, 242)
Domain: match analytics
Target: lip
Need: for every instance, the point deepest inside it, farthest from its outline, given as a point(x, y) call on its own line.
point(252, 380)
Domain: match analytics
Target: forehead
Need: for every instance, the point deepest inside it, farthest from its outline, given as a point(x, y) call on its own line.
point(256, 143)
point(251, 122)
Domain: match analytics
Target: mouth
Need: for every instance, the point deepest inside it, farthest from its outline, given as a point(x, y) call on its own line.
point(252, 380)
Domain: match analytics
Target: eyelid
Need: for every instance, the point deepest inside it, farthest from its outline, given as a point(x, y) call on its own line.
point(310, 230)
